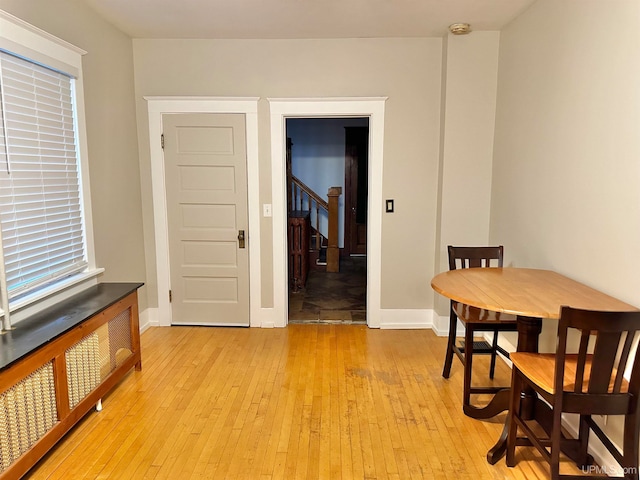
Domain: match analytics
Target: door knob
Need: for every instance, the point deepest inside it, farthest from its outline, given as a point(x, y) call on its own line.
point(240, 238)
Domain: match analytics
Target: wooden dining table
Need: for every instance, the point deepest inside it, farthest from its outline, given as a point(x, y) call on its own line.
point(532, 295)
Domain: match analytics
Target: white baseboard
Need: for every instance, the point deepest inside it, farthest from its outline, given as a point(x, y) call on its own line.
point(601, 455)
point(441, 325)
point(268, 317)
point(263, 318)
point(148, 318)
point(417, 318)
point(406, 318)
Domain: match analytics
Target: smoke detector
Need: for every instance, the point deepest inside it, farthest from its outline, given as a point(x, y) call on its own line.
point(459, 28)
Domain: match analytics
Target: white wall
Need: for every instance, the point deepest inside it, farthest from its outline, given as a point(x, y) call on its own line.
point(566, 170)
point(469, 118)
point(407, 71)
point(470, 69)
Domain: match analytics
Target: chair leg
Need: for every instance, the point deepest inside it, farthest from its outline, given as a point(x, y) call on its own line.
point(631, 443)
point(556, 435)
point(468, 365)
point(583, 437)
point(448, 358)
point(494, 354)
point(514, 410)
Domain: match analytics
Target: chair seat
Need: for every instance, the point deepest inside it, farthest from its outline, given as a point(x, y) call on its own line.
point(540, 368)
point(484, 318)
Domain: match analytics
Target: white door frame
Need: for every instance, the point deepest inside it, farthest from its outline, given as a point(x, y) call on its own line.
point(281, 108)
point(158, 106)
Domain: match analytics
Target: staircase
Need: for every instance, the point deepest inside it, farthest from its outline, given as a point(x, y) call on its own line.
point(323, 251)
point(307, 243)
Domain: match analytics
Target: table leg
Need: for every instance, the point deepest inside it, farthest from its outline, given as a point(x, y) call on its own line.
point(529, 329)
point(499, 403)
point(500, 448)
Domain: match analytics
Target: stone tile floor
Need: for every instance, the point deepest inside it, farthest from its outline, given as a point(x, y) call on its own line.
point(332, 297)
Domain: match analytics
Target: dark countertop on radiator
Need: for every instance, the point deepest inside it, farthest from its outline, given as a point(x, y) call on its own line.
point(43, 327)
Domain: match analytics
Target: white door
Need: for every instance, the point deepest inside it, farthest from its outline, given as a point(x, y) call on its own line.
point(206, 182)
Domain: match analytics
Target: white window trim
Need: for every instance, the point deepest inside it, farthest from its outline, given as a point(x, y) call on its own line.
point(22, 38)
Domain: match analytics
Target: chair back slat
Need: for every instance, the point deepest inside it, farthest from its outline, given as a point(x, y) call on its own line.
point(603, 361)
point(582, 360)
point(624, 358)
point(475, 257)
point(601, 371)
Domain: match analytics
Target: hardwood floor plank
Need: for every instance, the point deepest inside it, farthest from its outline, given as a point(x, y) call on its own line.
point(308, 401)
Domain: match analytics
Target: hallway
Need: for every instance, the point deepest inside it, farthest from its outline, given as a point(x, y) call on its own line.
point(332, 297)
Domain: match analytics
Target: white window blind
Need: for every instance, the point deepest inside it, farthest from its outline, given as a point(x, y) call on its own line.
point(40, 204)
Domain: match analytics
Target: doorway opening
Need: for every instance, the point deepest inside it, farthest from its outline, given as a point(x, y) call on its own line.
point(283, 108)
point(327, 199)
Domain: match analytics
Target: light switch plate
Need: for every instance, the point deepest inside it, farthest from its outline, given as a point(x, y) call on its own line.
point(389, 206)
point(266, 209)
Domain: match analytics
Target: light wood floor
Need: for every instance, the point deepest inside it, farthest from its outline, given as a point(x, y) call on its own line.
point(308, 401)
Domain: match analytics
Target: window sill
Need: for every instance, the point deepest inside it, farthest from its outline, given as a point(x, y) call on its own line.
point(54, 293)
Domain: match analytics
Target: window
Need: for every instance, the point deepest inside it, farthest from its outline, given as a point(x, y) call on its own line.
point(40, 210)
point(46, 247)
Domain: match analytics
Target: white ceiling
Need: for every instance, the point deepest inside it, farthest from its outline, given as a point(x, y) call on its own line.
point(303, 18)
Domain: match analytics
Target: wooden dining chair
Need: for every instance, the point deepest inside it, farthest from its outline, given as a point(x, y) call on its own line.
point(475, 320)
point(589, 382)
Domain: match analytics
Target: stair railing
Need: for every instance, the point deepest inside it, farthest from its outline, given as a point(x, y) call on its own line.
point(302, 197)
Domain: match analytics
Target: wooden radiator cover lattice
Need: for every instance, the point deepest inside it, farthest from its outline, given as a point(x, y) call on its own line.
point(45, 393)
point(27, 412)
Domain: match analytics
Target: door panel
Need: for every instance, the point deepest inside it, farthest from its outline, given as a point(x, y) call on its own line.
point(206, 182)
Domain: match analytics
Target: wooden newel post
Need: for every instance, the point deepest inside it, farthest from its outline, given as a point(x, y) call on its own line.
point(333, 252)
